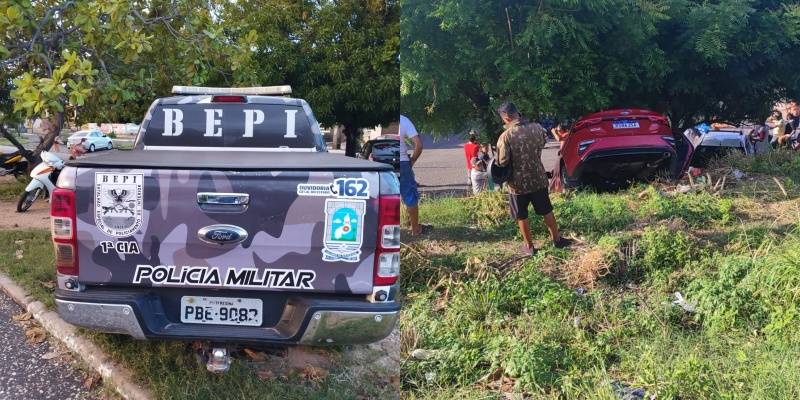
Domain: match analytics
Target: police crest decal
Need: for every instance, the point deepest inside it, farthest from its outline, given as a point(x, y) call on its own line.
point(344, 220)
point(118, 203)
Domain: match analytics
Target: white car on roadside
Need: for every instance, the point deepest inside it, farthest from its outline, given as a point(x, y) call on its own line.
point(95, 140)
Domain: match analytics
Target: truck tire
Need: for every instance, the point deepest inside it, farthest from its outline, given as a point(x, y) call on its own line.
point(27, 199)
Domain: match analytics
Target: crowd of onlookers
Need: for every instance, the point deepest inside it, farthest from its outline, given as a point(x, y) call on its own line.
point(783, 126)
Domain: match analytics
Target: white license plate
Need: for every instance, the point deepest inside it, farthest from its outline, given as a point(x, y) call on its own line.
point(221, 310)
point(625, 124)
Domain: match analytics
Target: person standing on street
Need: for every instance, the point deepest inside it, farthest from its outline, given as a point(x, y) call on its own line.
point(470, 151)
point(521, 145)
point(480, 166)
point(408, 183)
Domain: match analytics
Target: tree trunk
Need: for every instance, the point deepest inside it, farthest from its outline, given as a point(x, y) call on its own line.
point(337, 136)
point(53, 131)
point(352, 134)
point(32, 158)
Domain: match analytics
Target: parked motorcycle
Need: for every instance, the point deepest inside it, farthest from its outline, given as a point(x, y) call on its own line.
point(13, 163)
point(43, 180)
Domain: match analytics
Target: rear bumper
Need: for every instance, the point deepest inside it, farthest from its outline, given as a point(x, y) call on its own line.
point(302, 320)
point(623, 163)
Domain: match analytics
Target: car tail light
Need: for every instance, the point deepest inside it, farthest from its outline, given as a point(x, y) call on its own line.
point(582, 146)
point(387, 250)
point(62, 221)
point(659, 120)
point(228, 99)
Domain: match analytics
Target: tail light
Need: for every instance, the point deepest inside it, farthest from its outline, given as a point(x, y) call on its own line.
point(582, 146)
point(658, 119)
point(387, 251)
point(228, 99)
point(65, 240)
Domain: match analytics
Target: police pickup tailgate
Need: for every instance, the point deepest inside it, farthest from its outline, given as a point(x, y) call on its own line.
point(230, 221)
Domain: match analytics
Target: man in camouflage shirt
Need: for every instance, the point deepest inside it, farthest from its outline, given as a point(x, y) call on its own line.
point(521, 144)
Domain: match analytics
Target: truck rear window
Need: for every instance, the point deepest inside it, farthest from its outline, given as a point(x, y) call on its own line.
point(229, 125)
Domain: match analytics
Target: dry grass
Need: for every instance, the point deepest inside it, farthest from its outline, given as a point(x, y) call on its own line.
point(587, 268)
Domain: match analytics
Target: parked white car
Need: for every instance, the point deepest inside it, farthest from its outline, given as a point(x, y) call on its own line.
point(95, 140)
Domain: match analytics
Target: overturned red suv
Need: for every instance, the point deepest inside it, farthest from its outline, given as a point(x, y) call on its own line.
point(618, 146)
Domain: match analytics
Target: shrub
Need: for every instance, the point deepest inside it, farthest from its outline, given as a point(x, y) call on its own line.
point(752, 292)
point(723, 300)
point(660, 250)
point(696, 209)
point(593, 214)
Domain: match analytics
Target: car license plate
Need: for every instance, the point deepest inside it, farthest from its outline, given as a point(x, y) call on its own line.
point(221, 310)
point(625, 124)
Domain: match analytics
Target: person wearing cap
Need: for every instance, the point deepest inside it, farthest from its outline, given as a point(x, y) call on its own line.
point(520, 149)
point(408, 182)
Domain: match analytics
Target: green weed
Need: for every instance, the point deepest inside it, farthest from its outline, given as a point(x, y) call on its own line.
point(696, 209)
point(523, 328)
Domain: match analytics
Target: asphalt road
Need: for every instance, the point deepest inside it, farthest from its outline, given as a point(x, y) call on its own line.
point(24, 374)
point(442, 167)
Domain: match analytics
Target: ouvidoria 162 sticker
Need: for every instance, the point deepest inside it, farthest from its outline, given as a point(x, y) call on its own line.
point(351, 188)
point(118, 200)
point(344, 230)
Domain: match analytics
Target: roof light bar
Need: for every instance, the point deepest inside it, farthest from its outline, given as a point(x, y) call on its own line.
point(242, 91)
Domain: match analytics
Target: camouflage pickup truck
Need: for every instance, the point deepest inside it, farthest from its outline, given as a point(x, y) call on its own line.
point(230, 222)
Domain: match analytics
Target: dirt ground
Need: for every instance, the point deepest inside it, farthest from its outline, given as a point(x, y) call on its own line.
point(37, 217)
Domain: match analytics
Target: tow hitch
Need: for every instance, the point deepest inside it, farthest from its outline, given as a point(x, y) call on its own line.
point(219, 360)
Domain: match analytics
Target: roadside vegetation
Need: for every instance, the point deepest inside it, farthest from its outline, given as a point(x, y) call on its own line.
point(171, 370)
point(677, 291)
point(11, 188)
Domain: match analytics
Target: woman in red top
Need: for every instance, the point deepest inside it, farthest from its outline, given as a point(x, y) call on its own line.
point(470, 152)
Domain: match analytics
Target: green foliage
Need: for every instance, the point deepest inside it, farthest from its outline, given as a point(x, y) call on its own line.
point(696, 209)
point(593, 214)
point(10, 191)
point(36, 267)
point(482, 316)
point(662, 250)
point(752, 293)
point(109, 59)
point(35, 96)
point(557, 58)
point(341, 56)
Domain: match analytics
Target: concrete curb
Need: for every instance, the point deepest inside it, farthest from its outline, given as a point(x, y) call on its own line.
point(116, 375)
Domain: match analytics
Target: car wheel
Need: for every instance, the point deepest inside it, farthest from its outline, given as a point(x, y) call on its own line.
point(565, 181)
point(110, 145)
point(91, 148)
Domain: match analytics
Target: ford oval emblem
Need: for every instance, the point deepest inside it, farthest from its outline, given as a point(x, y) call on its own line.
point(222, 234)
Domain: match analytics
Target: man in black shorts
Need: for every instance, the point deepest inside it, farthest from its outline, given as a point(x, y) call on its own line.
point(521, 144)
